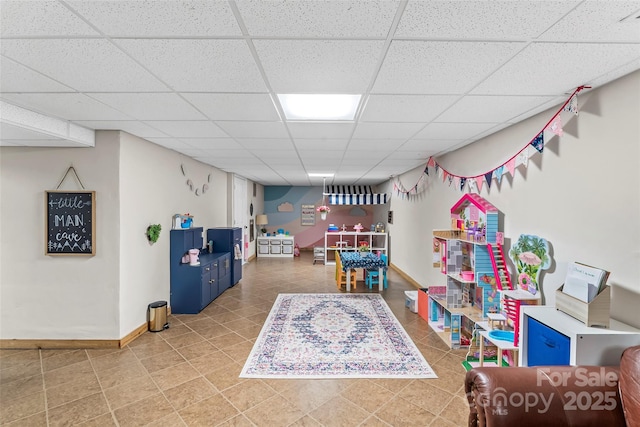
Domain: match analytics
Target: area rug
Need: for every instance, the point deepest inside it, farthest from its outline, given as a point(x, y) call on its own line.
point(334, 336)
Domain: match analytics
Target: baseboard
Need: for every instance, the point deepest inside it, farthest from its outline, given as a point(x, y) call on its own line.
point(16, 344)
point(58, 344)
point(405, 276)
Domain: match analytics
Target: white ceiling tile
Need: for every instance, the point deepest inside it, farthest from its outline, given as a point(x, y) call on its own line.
point(405, 108)
point(597, 21)
point(160, 17)
point(310, 155)
point(40, 18)
point(428, 145)
point(234, 106)
point(276, 154)
point(475, 20)
point(265, 143)
point(83, 64)
point(330, 130)
point(375, 144)
point(188, 128)
point(452, 130)
point(285, 165)
point(409, 155)
point(492, 109)
point(171, 143)
point(133, 127)
point(325, 19)
point(200, 65)
point(319, 66)
point(67, 106)
point(360, 155)
point(18, 78)
point(386, 130)
point(321, 144)
point(254, 129)
point(52, 142)
point(440, 67)
point(150, 106)
point(552, 68)
point(212, 143)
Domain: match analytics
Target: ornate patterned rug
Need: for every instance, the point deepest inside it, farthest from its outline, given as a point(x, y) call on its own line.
point(334, 336)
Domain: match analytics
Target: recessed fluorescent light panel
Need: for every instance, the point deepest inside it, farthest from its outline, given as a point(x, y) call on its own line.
point(319, 106)
point(320, 175)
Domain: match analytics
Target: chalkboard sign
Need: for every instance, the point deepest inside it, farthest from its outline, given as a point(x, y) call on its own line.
point(70, 222)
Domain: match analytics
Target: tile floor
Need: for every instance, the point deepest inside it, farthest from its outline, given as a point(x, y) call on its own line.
point(188, 375)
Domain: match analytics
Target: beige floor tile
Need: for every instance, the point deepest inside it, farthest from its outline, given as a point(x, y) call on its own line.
point(121, 374)
point(63, 359)
point(211, 362)
point(113, 360)
point(248, 394)
point(457, 411)
point(211, 411)
point(144, 411)
point(200, 349)
point(367, 395)
point(227, 340)
point(151, 349)
point(373, 421)
point(173, 419)
point(305, 421)
point(339, 412)
point(174, 375)
point(275, 411)
point(308, 395)
point(78, 411)
point(36, 420)
point(162, 361)
point(67, 374)
point(237, 421)
point(184, 340)
point(399, 413)
point(19, 371)
point(27, 406)
point(225, 376)
point(426, 395)
point(132, 391)
point(105, 420)
point(21, 387)
point(189, 393)
point(71, 391)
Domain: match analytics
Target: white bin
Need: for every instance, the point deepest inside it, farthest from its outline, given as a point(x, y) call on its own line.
point(411, 301)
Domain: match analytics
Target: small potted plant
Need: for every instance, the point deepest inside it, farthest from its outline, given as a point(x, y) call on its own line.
point(363, 248)
point(324, 210)
point(153, 232)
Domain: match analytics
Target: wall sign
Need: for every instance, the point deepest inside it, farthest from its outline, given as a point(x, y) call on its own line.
point(307, 214)
point(70, 222)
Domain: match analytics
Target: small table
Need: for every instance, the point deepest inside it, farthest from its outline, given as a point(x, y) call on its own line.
point(351, 260)
point(502, 346)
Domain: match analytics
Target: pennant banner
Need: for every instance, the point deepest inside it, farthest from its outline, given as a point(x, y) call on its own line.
point(521, 158)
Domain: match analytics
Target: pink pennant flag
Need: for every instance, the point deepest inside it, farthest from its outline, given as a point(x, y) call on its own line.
point(431, 162)
point(511, 166)
point(556, 126)
point(444, 175)
point(479, 180)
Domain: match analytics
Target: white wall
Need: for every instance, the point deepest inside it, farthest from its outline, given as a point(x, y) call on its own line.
point(582, 194)
point(152, 190)
point(105, 296)
point(57, 297)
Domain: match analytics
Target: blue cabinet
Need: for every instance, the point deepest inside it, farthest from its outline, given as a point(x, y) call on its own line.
point(229, 239)
point(193, 287)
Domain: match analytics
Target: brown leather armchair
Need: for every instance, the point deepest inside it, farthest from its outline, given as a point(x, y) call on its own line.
point(556, 395)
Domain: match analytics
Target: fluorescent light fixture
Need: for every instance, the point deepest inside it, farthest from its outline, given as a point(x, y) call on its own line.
point(319, 106)
point(320, 175)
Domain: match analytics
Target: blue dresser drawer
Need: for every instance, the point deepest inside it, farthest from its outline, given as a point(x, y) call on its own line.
point(546, 346)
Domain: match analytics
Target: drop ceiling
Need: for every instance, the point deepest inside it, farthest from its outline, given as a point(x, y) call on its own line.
point(202, 77)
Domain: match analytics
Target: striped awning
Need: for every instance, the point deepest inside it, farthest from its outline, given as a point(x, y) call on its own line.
point(354, 195)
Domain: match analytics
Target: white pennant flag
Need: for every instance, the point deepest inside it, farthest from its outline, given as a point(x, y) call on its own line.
point(523, 157)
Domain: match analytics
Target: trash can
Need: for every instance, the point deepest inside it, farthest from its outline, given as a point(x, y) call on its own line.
point(157, 315)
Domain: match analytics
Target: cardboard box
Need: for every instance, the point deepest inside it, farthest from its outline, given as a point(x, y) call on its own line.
point(594, 313)
point(423, 303)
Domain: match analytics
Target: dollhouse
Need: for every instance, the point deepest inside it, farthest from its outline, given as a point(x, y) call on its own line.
point(470, 255)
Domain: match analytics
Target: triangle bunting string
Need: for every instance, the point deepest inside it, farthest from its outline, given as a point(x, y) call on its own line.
point(535, 146)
